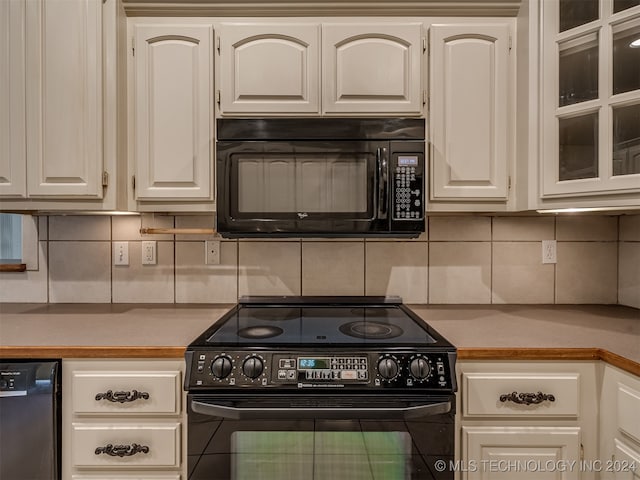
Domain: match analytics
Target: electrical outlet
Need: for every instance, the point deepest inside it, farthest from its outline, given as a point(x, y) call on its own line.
point(549, 251)
point(121, 253)
point(212, 252)
point(149, 252)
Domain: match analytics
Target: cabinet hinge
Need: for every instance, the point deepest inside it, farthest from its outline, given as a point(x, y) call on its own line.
point(425, 97)
point(424, 44)
point(133, 46)
point(105, 179)
point(133, 182)
point(510, 42)
point(218, 44)
point(581, 452)
point(509, 182)
point(218, 97)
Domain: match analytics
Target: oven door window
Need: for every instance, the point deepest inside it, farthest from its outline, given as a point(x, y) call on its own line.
point(303, 180)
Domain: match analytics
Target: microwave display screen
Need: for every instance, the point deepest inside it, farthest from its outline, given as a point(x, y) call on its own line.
point(407, 161)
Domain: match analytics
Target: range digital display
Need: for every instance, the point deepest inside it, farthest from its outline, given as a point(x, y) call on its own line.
point(313, 363)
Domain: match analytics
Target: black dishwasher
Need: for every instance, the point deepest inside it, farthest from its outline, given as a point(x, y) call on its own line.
point(30, 420)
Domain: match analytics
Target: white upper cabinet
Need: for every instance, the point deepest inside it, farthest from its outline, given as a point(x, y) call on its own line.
point(64, 98)
point(470, 127)
point(12, 111)
point(372, 68)
point(590, 117)
point(268, 68)
point(173, 117)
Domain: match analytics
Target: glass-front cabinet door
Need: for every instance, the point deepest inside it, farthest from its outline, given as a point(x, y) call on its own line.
point(590, 97)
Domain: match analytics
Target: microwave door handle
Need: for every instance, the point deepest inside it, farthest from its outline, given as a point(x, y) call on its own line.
point(287, 413)
point(381, 162)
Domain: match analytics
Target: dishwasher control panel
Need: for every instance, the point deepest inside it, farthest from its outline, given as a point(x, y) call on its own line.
point(13, 382)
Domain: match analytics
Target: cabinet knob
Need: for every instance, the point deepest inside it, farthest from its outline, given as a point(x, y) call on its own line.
point(527, 398)
point(122, 397)
point(122, 450)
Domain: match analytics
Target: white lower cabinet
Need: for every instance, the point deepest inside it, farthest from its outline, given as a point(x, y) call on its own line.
point(123, 420)
point(620, 425)
point(527, 420)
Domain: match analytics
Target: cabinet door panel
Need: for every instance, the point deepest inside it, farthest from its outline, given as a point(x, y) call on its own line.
point(12, 114)
point(469, 111)
point(64, 98)
point(173, 105)
point(269, 68)
point(520, 452)
point(372, 68)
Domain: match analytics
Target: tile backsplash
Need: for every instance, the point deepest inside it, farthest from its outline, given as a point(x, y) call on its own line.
point(461, 259)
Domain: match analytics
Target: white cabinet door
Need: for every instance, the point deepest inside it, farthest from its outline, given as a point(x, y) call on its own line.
point(268, 68)
point(12, 111)
point(173, 111)
point(469, 96)
point(372, 68)
point(525, 452)
point(64, 98)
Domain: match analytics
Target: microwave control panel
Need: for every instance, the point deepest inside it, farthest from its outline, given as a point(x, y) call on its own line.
point(408, 184)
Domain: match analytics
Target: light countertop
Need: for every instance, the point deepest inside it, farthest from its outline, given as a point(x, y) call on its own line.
point(543, 332)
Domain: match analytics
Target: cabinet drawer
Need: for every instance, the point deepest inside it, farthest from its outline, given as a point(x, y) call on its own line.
point(141, 392)
point(492, 394)
point(160, 442)
point(628, 408)
point(626, 462)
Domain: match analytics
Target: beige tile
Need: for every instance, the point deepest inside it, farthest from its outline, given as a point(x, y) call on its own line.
point(629, 275)
point(127, 227)
point(630, 228)
point(460, 272)
point(43, 227)
point(585, 228)
point(30, 243)
point(269, 268)
point(463, 228)
point(196, 221)
point(135, 282)
point(397, 268)
point(511, 229)
point(587, 272)
point(80, 272)
point(200, 283)
point(28, 287)
point(333, 268)
point(79, 227)
point(519, 276)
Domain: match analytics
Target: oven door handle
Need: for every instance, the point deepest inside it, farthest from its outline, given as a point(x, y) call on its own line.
point(338, 413)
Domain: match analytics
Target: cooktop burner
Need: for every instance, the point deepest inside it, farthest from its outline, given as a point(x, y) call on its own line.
point(371, 329)
point(260, 332)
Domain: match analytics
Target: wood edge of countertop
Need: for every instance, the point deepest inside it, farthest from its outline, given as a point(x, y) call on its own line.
point(469, 353)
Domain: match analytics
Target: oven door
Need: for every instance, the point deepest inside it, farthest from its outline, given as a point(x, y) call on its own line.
point(320, 437)
point(301, 188)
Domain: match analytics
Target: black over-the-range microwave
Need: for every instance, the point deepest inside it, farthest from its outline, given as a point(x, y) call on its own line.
point(320, 177)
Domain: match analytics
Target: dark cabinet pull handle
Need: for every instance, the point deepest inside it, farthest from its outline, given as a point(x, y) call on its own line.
point(122, 397)
point(122, 450)
point(527, 398)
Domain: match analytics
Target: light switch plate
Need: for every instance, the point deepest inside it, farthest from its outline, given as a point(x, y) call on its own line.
point(121, 253)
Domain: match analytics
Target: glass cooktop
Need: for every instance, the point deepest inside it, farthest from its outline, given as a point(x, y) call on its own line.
point(316, 323)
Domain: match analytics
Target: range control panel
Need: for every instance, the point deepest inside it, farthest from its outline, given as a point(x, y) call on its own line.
point(408, 181)
point(431, 370)
point(13, 383)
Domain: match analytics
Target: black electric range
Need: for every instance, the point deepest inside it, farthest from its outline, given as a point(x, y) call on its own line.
point(270, 344)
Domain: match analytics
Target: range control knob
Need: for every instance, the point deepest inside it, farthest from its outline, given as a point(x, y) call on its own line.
point(420, 368)
point(221, 366)
point(388, 367)
point(252, 367)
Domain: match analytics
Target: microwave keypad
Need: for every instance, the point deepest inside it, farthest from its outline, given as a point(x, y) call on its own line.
point(408, 197)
